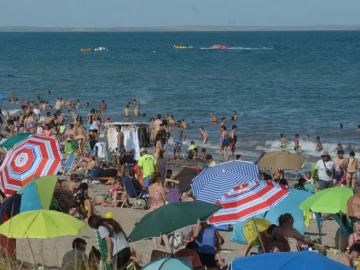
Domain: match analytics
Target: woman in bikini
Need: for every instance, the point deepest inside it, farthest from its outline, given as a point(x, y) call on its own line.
point(29, 123)
point(352, 166)
point(213, 118)
point(158, 198)
point(158, 147)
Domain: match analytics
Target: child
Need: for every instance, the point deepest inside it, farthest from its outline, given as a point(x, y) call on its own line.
point(319, 146)
point(282, 141)
point(297, 146)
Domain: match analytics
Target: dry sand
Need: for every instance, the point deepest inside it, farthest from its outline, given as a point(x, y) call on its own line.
point(50, 252)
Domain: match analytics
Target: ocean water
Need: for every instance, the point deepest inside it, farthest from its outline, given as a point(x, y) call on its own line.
point(278, 82)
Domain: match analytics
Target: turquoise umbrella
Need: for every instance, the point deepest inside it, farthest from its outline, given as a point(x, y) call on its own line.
point(166, 264)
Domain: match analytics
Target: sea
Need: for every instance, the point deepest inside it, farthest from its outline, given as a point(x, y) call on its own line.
point(304, 82)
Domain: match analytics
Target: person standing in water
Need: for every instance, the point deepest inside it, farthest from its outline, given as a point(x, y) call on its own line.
point(234, 116)
point(297, 146)
point(319, 146)
point(127, 111)
point(136, 110)
point(233, 140)
point(203, 135)
point(103, 105)
point(282, 141)
point(213, 118)
point(223, 143)
point(352, 166)
point(307, 138)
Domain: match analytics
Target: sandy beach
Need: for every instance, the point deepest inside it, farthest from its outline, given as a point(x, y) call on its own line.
point(50, 252)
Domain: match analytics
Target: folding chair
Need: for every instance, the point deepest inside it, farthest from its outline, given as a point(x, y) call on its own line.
point(69, 163)
point(132, 192)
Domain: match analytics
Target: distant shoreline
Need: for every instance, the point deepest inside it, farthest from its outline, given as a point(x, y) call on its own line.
point(178, 29)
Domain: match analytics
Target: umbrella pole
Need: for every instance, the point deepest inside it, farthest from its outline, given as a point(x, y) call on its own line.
point(258, 233)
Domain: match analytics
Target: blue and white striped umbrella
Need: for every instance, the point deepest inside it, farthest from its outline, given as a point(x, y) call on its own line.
point(212, 183)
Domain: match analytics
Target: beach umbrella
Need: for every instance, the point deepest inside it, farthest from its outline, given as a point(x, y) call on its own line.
point(166, 264)
point(247, 201)
point(213, 182)
point(10, 142)
point(33, 157)
point(41, 224)
point(291, 205)
point(287, 261)
point(245, 232)
point(38, 194)
point(172, 217)
point(282, 160)
point(332, 200)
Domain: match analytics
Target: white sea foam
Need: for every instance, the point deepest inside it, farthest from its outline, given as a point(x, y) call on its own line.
point(238, 48)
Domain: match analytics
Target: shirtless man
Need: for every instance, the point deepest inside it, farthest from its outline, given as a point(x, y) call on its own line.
point(223, 121)
point(339, 163)
point(136, 110)
point(61, 117)
point(353, 208)
point(80, 134)
point(103, 105)
point(120, 150)
point(127, 111)
point(204, 135)
point(297, 146)
point(233, 140)
point(157, 124)
point(352, 165)
point(223, 143)
point(213, 118)
point(58, 104)
point(47, 118)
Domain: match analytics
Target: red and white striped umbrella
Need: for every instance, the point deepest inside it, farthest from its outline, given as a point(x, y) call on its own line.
point(31, 158)
point(248, 200)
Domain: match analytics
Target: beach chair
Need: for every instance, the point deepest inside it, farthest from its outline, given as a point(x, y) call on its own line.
point(173, 195)
point(293, 244)
point(68, 149)
point(133, 193)
point(69, 163)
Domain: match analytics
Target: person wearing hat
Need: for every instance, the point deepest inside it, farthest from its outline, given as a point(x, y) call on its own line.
point(326, 171)
point(147, 165)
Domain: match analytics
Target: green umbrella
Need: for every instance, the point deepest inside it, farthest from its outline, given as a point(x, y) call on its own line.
point(331, 200)
point(172, 217)
point(9, 143)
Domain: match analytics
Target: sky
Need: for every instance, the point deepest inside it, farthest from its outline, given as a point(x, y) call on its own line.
point(159, 13)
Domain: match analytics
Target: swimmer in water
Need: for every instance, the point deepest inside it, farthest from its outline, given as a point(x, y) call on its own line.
point(234, 116)
point(307, 138)
point(203, 135)
point(213, 118)
point(282, 141)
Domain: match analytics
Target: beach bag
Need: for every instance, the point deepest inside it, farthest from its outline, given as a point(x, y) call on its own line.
point(343, 178)
point(327, 171)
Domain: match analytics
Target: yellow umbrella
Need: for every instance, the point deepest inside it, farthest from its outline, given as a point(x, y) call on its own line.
point(282, 160)
point(41, 224)
point(251, 232)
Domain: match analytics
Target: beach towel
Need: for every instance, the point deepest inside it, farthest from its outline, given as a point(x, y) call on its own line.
point(101, 243)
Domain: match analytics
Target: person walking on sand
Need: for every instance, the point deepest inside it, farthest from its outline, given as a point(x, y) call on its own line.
point(203, 135)
point(326, 171)
point(352, 166)
point(297, 147)
point(282, 141)
point(213, 118)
